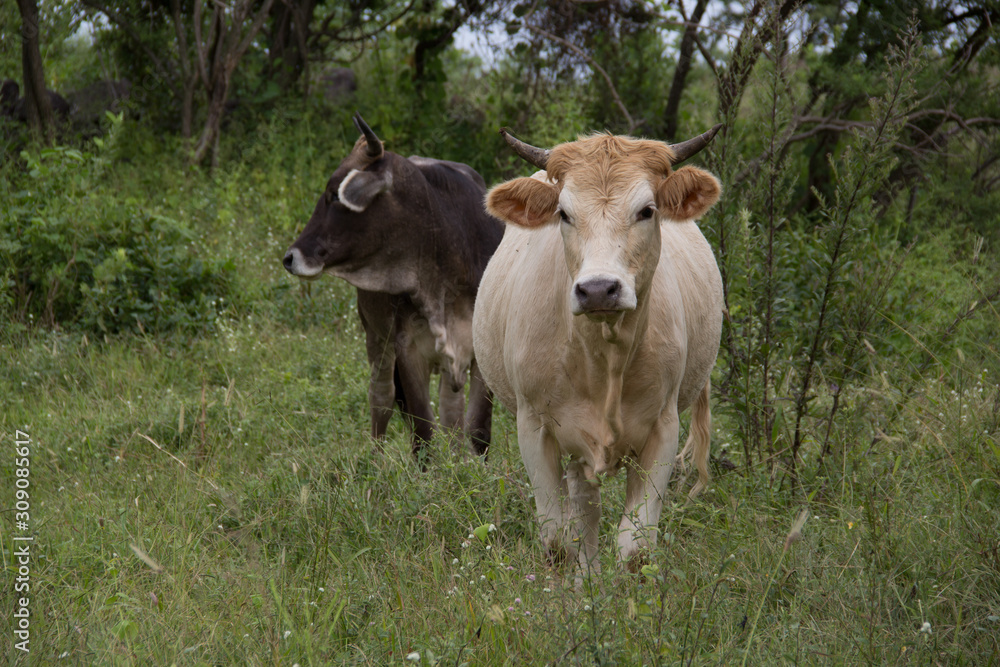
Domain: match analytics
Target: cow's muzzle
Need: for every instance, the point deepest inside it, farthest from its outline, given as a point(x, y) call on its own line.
point(601, 296)
point(295, 264)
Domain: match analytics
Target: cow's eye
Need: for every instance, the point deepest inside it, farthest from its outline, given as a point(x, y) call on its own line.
point(646, 213)
point(564, 217)
point(331, 196)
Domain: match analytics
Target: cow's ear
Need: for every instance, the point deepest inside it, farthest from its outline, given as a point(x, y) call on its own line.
point(687, 194)
point(526, 202)
point(360, 188)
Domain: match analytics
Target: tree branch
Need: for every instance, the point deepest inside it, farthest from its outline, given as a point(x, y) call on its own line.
point(593, 63)
point(337, 35)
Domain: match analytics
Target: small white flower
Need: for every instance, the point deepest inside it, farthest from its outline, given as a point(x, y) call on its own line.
point(926, 628)
point(413, 657)
point(492, 528)
point(466, 544)
point(288, 633)
point(454, 561)
point(489, 547)
point(586, 607)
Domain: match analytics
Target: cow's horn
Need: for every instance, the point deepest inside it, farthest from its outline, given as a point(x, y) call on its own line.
point(686, 149)
point(374, 143)
point(531, 154)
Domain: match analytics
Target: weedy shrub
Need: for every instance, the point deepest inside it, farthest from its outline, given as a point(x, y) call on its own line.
point(75, 253)
point(812, 300)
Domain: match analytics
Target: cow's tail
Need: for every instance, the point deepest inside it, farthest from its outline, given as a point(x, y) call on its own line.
point(699, 439)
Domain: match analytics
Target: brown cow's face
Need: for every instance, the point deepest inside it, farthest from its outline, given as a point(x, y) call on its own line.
point(345, 227)
point(609, 195)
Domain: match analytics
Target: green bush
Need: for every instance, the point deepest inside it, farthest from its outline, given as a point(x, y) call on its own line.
point(77, 255)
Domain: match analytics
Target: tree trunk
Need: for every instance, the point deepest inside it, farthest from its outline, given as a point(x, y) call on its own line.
point(287, 53)
point(209, 139)
point(188, 76)
point(672, 111)
point(218, 57)
point(37, 106)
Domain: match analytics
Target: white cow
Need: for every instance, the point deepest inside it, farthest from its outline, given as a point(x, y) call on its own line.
point(597, 322)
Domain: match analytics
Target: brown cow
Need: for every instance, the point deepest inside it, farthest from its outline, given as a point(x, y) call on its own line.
point(412, 236)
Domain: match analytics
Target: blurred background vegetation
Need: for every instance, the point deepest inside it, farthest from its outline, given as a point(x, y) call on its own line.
point(159, 156)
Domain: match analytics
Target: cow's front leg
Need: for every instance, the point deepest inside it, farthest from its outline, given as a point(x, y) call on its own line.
point(540, 453)
point(646, 488)
point(377, 318)
point(381, 383)
point(584, 517)
point(381, 398)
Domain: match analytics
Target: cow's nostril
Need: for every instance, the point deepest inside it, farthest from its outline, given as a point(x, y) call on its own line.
point(598, 294)
point(288, 260)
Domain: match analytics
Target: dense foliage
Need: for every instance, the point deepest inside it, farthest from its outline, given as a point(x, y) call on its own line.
point(77, 255)
point(192, 403)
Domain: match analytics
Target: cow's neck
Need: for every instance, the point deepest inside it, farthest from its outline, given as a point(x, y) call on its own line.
point(373, 277)
point(605, 352)
point(448, 310)
point(445, 305)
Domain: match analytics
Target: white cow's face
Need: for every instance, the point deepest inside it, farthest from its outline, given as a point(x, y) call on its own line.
point(609, 195)
point(612, 245)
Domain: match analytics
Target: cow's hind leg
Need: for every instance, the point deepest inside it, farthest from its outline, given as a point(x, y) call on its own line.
point(414, 378)
point(646, 488)
point(451, 408)
point(479, 416)
point(584, 518)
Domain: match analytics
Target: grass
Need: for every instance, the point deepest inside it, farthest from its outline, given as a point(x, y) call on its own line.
point(216, 500)
point(275, 533)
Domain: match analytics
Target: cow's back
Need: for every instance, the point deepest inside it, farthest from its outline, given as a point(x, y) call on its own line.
point(465, 235)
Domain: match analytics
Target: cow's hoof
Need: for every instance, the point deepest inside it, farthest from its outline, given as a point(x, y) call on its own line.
point(558, 555)
point(637, 561)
